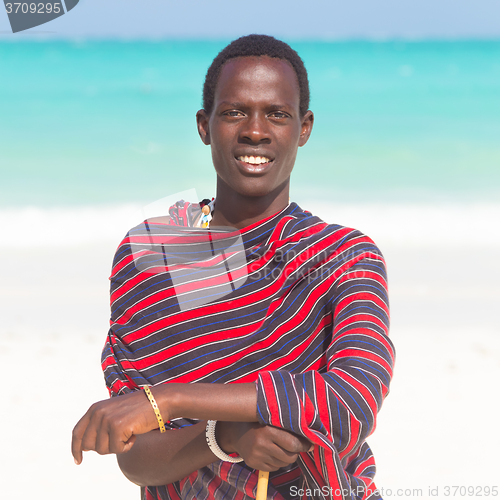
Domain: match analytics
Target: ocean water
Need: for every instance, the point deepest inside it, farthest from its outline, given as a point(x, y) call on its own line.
point(92, 126)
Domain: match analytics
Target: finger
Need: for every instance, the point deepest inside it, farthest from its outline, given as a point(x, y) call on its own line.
point(120, 440)
point(268, 461)
point(297, 444)
point(89, 440)
point(77, 436)
point(276, 462)
point(128, 444)
point(102, 439)
point(289, 441)
point(273, 455)
point(269, 467)
point(282, 457)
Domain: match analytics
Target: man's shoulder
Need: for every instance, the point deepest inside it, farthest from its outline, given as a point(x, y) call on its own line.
point(333, 238)
point(304, 220)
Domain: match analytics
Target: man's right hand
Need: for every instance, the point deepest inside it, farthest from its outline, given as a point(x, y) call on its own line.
point(261, 446)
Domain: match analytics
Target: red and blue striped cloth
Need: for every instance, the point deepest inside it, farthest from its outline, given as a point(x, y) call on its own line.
point(308, 323)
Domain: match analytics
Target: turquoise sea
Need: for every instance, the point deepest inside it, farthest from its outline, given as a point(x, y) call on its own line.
point(91, 123)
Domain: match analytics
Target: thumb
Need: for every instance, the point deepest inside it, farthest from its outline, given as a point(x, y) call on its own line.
point(128, 445)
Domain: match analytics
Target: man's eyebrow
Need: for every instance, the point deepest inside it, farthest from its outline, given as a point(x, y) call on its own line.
point(280, 106)
point(232, 104)
point(243, 105)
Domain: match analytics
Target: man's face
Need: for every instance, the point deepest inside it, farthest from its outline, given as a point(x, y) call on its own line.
point(255, 126)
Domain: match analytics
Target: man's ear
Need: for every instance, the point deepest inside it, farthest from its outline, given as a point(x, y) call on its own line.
point(203, 129)
point(306, 127)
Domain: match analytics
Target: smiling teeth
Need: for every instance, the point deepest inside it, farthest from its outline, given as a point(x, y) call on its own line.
point(254, 160)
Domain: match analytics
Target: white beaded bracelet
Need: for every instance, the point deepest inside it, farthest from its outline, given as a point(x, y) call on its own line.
point(214, 447)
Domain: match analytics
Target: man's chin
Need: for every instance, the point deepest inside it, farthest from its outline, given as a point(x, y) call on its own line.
point(259, 188)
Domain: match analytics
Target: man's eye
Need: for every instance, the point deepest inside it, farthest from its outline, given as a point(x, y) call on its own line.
point(278, 114)
point(233, 113)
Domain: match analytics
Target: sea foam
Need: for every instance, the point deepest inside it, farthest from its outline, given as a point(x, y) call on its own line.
point(414, 225)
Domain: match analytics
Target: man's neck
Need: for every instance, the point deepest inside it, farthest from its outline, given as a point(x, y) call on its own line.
point(235, 210)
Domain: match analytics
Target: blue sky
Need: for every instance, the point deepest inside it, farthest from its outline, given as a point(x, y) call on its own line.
point(291, 19)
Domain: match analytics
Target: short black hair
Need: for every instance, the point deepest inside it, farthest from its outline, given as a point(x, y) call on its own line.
point(256, 45)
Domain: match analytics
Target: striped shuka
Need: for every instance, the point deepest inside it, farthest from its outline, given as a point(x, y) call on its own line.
point(308, 323)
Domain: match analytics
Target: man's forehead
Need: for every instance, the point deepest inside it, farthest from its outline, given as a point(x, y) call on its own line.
point(256, 71)
point(256, 64)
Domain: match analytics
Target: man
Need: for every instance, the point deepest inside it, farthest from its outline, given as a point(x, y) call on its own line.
point(293, 365)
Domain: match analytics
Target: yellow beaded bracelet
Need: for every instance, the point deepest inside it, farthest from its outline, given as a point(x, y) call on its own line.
point(152, 400)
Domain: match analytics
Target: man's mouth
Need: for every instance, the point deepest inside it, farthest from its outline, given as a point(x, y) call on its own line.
point(254, 160)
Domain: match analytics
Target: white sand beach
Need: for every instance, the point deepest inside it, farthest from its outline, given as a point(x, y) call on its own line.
point(437, 428)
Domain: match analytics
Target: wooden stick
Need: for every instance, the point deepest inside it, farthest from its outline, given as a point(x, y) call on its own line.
point(262, 485)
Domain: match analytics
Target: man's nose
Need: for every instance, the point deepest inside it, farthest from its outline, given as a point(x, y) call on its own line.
point(256, 129)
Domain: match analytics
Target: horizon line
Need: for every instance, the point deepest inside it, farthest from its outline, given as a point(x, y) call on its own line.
point(53, 36)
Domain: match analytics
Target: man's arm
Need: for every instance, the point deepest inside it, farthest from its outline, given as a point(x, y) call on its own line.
point(341, 403)
point(126, 425)
point(158, 459)
point(112, 426)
